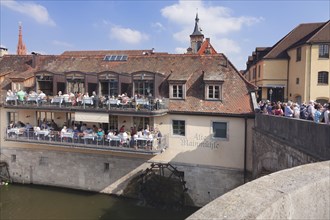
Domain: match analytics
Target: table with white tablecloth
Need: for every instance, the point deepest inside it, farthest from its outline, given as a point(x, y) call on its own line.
point(15, 131)
point(42, 133)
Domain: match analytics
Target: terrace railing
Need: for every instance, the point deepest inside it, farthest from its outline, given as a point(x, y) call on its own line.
point(88, 103)
point(70, 140)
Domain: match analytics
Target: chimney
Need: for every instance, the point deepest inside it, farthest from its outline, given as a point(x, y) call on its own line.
point(35, 59)
point(189, 50)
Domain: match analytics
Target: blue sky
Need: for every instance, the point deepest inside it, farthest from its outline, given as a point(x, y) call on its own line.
point(235, 28)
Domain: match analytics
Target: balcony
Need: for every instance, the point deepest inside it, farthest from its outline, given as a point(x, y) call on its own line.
point(150, 107)
point(141, 145)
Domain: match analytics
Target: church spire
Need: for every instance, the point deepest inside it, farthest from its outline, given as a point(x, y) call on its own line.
point(196, 38)
point(21, 49)
point(197, 29)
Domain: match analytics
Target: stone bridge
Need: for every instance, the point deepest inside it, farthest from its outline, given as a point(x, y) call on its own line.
point(280, 143)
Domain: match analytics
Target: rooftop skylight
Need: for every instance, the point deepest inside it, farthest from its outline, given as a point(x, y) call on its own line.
point(115, 58)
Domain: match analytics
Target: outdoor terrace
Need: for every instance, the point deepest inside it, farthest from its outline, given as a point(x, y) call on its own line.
point(140, 145)
point(138, 106)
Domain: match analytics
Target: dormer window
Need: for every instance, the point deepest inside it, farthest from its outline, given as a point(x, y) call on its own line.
point(75, 82)
point(44, 82)
point(108, 83)
point(177, 91)
point(213, 91)
point(213, 85)
point(144, 84)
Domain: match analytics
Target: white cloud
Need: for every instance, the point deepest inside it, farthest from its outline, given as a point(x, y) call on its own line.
point(183, 35)
point(158, 26)
point(38, 12)
point(225, 45)
point(216, 22)
point(61, 43)
point(127, 35)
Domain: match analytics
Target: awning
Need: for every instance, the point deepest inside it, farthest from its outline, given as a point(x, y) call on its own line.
point(91, 117)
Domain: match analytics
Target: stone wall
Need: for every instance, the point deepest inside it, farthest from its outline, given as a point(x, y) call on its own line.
point(280, 143)
point(67, 169)
point(110, 173)
point(298, 193)
point(206, 183)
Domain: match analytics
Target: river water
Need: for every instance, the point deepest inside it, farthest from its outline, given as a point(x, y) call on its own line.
point(42, 202)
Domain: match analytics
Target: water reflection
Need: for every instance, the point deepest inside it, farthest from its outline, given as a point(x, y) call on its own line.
point(41, 202)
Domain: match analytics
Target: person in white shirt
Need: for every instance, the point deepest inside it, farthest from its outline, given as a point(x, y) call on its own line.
point(10, 93)
point(64, 130)
point(41, 96)
point(110, 135)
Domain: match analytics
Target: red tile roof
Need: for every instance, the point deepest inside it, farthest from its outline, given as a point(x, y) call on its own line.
point(191, 68)
point(15, 63)
point(206, 48)
point(108, 52)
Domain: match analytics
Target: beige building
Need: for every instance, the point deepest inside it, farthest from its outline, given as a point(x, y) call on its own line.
point(296, 68)
point(202, 106)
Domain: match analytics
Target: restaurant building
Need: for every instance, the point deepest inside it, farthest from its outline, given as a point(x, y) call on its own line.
point(196, 107)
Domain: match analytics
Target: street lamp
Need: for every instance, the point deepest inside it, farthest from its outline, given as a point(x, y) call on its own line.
point(270, 95)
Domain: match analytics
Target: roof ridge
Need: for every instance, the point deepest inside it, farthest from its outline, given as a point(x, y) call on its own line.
point(310, 29)
point(278, 43)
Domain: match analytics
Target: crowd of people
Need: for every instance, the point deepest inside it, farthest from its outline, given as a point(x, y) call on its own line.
point(78, 99)
point(128, 137)
point(312, 111)
point(23, 96)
